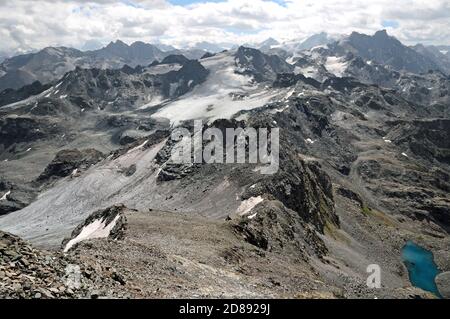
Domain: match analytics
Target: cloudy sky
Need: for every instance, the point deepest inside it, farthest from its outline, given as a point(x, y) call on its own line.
point(34, 24)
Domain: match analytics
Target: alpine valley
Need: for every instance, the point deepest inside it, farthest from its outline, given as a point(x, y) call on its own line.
point(87, 180)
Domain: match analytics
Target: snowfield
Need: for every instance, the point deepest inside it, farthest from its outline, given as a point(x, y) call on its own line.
point(336, 65)
point(214, 99)
point(309, 71)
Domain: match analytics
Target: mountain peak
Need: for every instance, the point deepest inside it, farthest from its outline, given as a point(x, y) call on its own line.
point(142, 45)
point(270, 41)
point(315, 40)
point(137, 43)
point(117, 44)
point(381, 34)
point(247, 50)
point(268, 44)
point(385, 49)
point(175, 58)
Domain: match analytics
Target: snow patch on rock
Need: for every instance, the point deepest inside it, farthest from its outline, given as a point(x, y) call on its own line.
point(96, 229)
point(4, 197)
point(247, 205)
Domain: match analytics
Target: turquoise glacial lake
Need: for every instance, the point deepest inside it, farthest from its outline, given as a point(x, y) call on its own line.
point(421, 267)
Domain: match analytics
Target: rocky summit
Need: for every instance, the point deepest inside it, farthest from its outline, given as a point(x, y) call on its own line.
point(95, 204)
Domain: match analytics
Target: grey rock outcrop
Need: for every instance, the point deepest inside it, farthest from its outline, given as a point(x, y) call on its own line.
point(443, 284)
point(261, 66)
point(69, 162)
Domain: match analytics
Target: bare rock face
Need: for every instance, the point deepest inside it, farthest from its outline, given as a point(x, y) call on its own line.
point(443, 284)
point(262, 66)
point(14, 130)
point(127, 88)
point(67, 161)
point(14, 197)
point(272, 226)
point(428, 139)
point(9, 96)
point(304, 188)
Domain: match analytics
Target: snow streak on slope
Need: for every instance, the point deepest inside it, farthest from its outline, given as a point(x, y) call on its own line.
point(214, 98)
point(30, 101)
point(164, 68)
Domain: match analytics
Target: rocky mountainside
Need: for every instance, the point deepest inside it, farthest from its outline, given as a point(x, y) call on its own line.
point(377, 59)
point(364, 166)
point(438, 55)
point(138, 53)
point(259, 65)
point(52, 63)
point(45, 66)
point(106, 103)
point(387, 50)
point(340, 59)
point(10, 96)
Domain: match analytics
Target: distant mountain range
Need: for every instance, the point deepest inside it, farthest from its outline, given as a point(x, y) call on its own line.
point(439, 55)
point(385, 49)
point(52, 63)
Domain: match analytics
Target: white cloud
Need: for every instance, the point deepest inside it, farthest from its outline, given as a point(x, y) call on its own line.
point(27, 24)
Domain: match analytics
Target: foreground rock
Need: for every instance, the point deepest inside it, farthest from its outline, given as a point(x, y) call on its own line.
point(267, 251)
point(443, 283)
point(26, 272)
